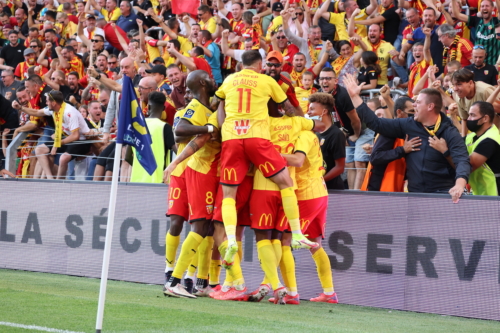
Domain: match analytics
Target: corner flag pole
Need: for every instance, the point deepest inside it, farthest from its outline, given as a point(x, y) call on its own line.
point(109, 237)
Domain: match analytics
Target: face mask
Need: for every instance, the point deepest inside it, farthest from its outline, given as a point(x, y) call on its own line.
point(473, 125)
point(315, 118)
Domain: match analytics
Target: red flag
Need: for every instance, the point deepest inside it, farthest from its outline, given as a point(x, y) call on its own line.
point(185, 6)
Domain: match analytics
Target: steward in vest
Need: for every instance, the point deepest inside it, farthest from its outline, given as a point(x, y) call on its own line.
point(483, 145)
point(162, 142)
point(387, 167)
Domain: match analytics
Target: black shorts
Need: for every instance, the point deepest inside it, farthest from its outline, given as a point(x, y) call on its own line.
point(105, 158)
point(75, 149)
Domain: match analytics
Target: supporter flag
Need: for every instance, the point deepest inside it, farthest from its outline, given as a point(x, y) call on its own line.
point(132, 128)
point(185, 6)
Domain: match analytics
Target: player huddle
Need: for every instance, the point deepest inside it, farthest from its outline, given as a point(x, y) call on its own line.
point(263, 169)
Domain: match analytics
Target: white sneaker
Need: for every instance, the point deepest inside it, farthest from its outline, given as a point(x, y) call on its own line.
point(178, 291)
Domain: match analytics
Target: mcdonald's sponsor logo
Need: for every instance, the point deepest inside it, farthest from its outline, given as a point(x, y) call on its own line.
point(303, 224)
point(242, 126)
point(283, 221)
point(266, 166)
point(268, 220)
point(228, 173)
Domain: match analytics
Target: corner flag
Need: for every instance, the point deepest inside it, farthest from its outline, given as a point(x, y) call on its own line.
point(132, 128)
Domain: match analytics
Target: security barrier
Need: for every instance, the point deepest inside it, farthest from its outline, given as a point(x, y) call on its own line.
point(403, 251)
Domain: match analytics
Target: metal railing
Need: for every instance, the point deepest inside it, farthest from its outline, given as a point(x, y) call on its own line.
point(373, 92)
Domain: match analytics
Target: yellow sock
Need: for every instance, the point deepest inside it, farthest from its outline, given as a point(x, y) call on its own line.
point(228, 281)
point(287, 267)
point(236, 272)
point(277, 249)
point(188, 251)
point(215, 266)
point(324, 270)
point(268, 262)
point(240, 250)
point(171, 245)
point(265, 280)
point(291, 208)
point(204, 255)
point(229, 216)
point(193, 265)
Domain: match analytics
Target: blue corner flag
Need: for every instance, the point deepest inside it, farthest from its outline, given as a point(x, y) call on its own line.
point(132, 128)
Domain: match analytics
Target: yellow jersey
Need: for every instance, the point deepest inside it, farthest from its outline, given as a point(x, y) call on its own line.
point(284, 132)
point(341, 23)
point(303, 97)
point(205, 160)
point(179, 169)
point(309, 177)
point(246, 94)
point(384, 58)
point(114, 15)
point(210, 25)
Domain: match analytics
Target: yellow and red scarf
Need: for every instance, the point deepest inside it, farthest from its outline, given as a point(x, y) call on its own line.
point(339, 63)
point(450, 53)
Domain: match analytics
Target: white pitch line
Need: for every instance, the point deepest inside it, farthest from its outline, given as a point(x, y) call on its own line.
point(36, 328)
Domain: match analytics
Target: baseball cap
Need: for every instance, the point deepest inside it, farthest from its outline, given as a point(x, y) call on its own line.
point(276, 55)
point(277, 7)
point(160, 69)
point(28, 51)
point(160, 59)
point(90, 16)
point(8, 26)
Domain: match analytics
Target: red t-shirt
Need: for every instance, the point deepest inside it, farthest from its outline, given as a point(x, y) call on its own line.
point(202, 64)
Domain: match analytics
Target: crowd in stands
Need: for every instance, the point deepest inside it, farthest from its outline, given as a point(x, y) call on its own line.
point(72, 55)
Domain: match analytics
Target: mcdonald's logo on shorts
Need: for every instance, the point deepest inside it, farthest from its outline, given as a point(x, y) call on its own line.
point(228, 174)
point(266, 166)
point(303, 224)
point(268, 220)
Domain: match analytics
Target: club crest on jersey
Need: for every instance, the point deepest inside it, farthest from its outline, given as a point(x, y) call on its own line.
point(242, 126)
point(170, 203)
point(189, 113)
point(321, 142)
point(486, 72)
point(210, 209)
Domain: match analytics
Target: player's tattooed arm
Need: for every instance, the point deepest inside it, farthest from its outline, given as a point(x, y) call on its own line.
point(192, 147)
point(288, 108)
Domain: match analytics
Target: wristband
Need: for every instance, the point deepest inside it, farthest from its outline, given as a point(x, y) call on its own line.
point(210, 128)
point(446, 153)
point(98, 77)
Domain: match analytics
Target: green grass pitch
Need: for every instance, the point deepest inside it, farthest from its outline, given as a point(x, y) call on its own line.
point(70, 303)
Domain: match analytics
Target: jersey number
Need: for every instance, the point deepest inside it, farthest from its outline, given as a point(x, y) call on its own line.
point(241, 92)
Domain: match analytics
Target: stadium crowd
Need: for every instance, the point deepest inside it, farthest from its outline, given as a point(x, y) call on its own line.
point(402, 96)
